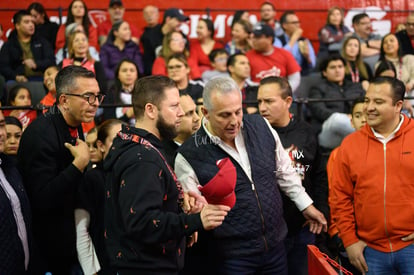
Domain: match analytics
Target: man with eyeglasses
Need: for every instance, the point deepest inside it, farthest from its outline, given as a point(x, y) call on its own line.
point(292, 41)
point(370, 42)
point(52, 158)
point(268, 16)
point(406, 36)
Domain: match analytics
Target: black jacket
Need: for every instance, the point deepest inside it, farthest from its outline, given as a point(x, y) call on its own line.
point(301, 140)
point(51, 181)
point(91, 197)
point(405, 42)
point(11, 250)
point(255, 224)
point(330, 90)
point(11, 56)
point(144, 224)
point(150, 39)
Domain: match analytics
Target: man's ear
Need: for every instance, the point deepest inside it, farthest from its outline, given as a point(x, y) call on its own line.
point(205, 113)
point(289, 101)
point(151, 111)
point(62, 100)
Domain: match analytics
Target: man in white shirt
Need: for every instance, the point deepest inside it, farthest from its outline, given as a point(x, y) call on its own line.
point(250, 240)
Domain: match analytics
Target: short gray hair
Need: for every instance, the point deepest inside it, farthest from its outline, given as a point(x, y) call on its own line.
point(223, 85)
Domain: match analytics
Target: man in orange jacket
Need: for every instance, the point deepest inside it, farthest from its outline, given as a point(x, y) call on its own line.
point(372, 192)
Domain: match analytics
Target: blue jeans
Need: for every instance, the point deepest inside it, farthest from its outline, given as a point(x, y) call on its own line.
point(400, 262)
point(297, 251)
point(270, 262)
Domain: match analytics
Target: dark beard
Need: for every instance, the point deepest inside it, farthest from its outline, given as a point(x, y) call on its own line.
point(167, 132)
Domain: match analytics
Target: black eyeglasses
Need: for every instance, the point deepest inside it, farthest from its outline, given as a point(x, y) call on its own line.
point(90, 97)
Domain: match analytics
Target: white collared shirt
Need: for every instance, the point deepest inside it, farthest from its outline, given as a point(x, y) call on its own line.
point(18, 215)
point(384, 140)
point(287, 178)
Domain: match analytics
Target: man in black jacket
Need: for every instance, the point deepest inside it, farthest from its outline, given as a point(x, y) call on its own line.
point(52, 157)
point(144, 224)
point(24, 56)
point(331, 119)
point(406, 37)
point(299, 140)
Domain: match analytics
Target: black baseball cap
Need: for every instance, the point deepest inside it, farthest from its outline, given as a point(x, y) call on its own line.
point(262, 28)
point(173, 12)
point(115, 2)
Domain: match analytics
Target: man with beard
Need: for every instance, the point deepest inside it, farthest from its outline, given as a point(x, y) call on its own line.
point(144, 224)
point(189, 125)
point(52, 157)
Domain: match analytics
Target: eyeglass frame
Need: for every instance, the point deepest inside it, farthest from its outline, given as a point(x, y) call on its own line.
point(88, 95)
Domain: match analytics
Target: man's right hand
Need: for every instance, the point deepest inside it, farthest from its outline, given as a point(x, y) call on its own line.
point(80, 153)
point(356, 256)
point(213, 216)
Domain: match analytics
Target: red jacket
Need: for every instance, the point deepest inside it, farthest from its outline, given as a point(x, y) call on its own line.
point(373, 188)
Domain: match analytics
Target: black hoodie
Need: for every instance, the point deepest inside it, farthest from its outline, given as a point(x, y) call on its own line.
point(144, 223)
point(301, 140)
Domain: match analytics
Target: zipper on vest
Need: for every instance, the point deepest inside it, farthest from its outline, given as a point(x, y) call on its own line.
point(261, 216)
point(385, 188)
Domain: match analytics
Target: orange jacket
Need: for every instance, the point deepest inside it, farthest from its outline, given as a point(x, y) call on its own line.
point(373, 189)
point(332, 230)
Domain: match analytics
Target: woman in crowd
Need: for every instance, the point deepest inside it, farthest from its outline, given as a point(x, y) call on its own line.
point(117, 47)
point(179, 71)
point(14, 129)
point(126, 73)
point(385, 68)
point(404, 65)
point(20, 96)
point(44, 27)
point(240, 33)
point(240, 15)
point(173, 43)
point(49, 82)
point(78, 50)
point(78, 12)
point(333, 33)
point(63, 52)
point(90, 140)
point(205, 43)
point(356, 69)
point(89, 213)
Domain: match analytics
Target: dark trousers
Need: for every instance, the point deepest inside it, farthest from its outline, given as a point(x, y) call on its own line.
point(273, 261)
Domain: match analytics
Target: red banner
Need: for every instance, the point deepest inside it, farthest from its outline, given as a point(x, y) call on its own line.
point(385, 14)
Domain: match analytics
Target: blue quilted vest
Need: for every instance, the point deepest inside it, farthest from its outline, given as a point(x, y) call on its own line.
point(255, 224)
